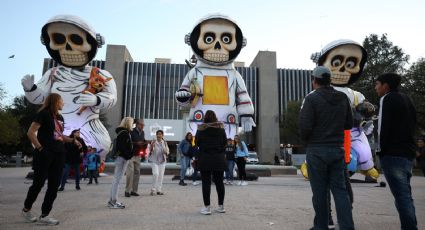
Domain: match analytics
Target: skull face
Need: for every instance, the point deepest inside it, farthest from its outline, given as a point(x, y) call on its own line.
point(343, 61)
point(217, 38)
point(71, 43)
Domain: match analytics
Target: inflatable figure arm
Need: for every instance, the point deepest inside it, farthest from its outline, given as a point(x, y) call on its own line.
point(36, 93)
point(183, 95)
point(244, 105)
point(367, 127)
point(108, 96)
point(358, 98)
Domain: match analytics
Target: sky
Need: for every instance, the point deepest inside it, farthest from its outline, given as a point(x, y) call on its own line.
point(156, 29)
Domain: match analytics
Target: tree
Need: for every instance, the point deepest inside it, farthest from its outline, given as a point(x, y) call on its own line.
point(383, 57)
point(2, 95)
point(24, 111)
point(414, 86)
point(289, 132)
point(10, 130)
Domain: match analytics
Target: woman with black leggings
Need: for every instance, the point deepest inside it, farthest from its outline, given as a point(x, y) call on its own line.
point(46, 135)
point(211, 140)
point(241, 155)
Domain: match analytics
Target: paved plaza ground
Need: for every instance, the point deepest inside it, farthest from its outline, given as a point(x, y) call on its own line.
point(282, 202)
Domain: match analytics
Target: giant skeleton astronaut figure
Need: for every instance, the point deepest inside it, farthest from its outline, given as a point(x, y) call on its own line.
point(213, 83)
point(72, 43)
point(346, 60)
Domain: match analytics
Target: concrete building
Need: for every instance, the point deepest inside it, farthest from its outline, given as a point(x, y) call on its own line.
point(146, 90)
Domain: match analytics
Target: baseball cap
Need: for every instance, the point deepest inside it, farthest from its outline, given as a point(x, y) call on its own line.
point(321, 72)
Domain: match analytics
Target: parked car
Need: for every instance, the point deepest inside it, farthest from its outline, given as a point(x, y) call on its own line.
point(252, 158)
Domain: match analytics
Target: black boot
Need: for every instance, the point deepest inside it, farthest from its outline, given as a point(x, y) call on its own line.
point(182, 183)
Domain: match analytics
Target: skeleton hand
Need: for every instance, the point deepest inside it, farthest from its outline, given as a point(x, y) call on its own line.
point(183, 95)
point(87, 99)
point(28, 82)
point(247, 123)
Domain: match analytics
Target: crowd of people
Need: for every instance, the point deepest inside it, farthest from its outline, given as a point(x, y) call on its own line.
point(324, 116)
point(58, 156)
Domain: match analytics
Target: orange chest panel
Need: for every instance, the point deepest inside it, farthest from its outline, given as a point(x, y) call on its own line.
point(216, 90)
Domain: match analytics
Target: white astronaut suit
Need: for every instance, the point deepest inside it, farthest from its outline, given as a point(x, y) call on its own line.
point(73, 44)
point(214, 84)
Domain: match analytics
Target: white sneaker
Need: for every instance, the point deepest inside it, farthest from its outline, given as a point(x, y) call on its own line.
point(220, 209)
point(115, 205)
point(195, 183)
point(47, 221)
point(206, 210)
point(239, 183)
point(230, 182)
point(244, 183)
point(28, 216)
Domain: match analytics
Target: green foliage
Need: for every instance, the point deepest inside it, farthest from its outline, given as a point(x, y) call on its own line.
point(383, 57)
point(414, 86)
point(2, 95)
point(289, 132)
point(10, 130)
point(24, 112)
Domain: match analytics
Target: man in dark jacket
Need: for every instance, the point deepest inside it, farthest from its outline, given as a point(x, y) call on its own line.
point(396, 128)
point(133, 168)
point(325, 114)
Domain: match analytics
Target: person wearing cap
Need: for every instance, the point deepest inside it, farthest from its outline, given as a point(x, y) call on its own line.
point(396, 144)
point(325, 114)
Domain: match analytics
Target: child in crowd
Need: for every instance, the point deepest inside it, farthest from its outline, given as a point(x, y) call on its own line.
point(84, 164)
point(93, 163)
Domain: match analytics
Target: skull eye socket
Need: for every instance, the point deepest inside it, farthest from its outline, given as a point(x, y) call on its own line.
point(226, 38)
point(58, 38)
point(351, 62)
point(76, 39)
point(209, 38)
point(337, 60)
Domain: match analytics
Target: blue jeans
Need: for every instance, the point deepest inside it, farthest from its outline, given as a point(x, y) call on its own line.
point(184, 162)
point(194, 174)
point(326, 170)
point(65, 174)
point(229, 171)
point(398, 171)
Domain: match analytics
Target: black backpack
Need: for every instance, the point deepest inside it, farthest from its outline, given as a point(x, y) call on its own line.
point(116, 153)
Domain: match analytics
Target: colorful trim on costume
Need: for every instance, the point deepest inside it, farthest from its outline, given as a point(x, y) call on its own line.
point(198, 115)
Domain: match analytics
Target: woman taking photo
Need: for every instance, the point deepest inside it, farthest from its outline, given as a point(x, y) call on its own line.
point(158, 152)
point(211, 140)
point(241, 156)
point(46, 135)
point(124, 151)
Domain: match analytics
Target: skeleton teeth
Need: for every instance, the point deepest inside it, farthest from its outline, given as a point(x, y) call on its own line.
point(216, 57)
point(340, 79)
point(74, 59)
